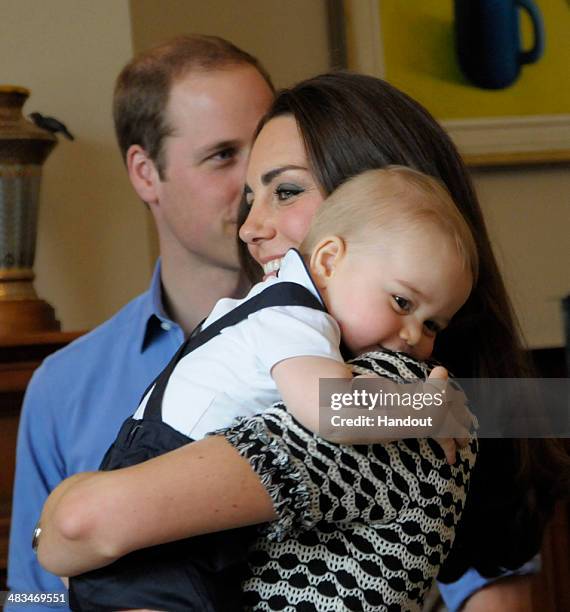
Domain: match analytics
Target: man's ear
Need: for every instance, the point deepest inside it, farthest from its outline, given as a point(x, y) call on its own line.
point(143, 174)
point(325, 259)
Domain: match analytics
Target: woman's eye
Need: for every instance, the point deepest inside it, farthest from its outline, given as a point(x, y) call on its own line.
point(402, 303)
point(432, 327)
point(285, 192)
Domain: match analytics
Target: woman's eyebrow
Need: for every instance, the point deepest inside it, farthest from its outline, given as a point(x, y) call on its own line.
point(271, 174)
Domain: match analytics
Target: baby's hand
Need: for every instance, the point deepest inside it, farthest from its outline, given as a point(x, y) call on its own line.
point(463, 419)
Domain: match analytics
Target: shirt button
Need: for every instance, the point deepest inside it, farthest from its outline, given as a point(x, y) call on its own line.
point(166, 326)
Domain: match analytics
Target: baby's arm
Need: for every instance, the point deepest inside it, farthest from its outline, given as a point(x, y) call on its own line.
point(298, 348)
point(297, 380)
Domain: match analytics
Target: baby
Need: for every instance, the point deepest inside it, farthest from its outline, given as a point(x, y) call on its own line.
point(387, 263)
point(390, 259)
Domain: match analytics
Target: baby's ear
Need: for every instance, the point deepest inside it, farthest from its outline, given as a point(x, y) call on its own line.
point(325, 259)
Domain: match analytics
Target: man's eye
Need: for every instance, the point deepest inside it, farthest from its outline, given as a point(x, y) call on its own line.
point(402, 303)
point(224, 155)
point(285, 192)
point(432, 327)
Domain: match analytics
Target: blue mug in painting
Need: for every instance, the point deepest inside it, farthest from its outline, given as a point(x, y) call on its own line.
point(488, 40)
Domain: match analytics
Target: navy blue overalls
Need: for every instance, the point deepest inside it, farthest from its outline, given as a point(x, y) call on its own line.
point(203, 573)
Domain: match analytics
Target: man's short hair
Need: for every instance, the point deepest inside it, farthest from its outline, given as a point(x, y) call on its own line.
point(143, 87)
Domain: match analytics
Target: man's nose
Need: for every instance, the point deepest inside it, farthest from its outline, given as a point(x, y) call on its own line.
point(411, 332)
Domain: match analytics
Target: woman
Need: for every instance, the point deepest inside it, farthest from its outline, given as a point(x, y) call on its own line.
point(369, 124)
point(335, 126)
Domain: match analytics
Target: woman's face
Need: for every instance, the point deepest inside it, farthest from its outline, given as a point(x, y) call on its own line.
point(281, 191)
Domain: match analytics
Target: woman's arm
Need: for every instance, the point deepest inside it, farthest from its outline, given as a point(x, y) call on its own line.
point(92, 519)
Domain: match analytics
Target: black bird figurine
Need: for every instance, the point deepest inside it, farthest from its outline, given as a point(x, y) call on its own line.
point(51, 125)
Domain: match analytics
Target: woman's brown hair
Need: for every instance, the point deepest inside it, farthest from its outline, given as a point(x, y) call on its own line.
point(351, 123)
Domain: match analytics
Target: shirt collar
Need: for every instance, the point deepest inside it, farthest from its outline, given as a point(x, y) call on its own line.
point(293, 268)
point(153, 315)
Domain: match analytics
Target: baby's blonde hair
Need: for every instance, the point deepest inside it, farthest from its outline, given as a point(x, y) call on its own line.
point(391, 198)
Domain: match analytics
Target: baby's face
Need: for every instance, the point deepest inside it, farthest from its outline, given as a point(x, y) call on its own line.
point(399, 294)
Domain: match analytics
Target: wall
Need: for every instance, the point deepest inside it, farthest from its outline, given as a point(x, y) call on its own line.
point(288, 36)
point(92, 249)
point(527, 210)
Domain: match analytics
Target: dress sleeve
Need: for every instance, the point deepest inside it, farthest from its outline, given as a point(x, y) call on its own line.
point(311, 480)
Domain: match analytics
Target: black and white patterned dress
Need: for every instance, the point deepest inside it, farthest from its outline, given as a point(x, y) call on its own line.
point(359, 527)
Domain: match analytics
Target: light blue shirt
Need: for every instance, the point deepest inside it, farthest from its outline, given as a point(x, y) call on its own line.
point(457, 593)
point(73, 408)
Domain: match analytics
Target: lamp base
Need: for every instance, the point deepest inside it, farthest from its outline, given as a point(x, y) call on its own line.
point(26, 316)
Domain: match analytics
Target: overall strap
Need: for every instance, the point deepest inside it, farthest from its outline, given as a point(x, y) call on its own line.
point(279, 294)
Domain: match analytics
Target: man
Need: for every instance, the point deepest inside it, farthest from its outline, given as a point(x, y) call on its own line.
point(185, 113)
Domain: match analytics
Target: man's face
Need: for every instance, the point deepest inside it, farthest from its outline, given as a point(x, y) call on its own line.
point(213, 116)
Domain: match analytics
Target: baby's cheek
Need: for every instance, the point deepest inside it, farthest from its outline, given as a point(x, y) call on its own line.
point(366, 330)
point(355, 332)
point(426, 349)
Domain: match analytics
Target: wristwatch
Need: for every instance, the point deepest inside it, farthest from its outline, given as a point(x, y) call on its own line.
point(36, 537)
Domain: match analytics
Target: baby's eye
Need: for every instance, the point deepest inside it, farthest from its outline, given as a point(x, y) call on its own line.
point(286, 191)
point(432, 327)
point(402, 303)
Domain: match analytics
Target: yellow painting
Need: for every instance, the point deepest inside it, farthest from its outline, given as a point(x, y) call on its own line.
point(419, 58)
point(411, 44)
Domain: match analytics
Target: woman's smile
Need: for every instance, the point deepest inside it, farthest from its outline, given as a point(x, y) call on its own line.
point(271, 267)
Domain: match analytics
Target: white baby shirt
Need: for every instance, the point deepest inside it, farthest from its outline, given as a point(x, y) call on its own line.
point(229, 376)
